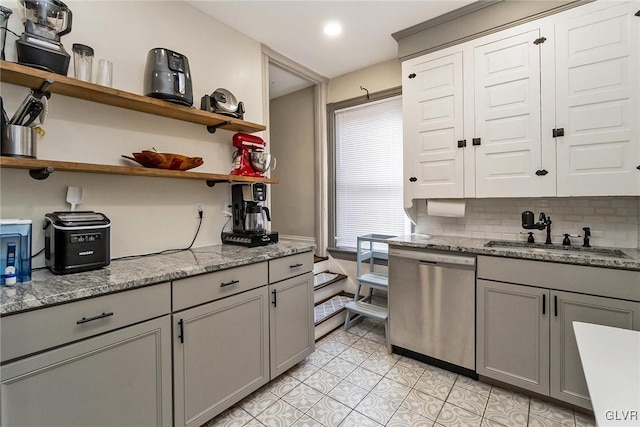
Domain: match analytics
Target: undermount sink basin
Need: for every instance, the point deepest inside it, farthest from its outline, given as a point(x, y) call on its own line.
point(557, 249)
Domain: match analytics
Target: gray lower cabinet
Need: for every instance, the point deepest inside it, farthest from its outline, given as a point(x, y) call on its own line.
point(567, 377)
point(291, 322)
point(221, 354)
point(525, 332)
point(121, 378)
point(513, 334)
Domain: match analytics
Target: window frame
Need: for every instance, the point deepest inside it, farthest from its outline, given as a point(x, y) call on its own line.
point(336, 252)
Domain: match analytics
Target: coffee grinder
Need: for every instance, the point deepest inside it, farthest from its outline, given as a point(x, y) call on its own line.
point(249, 216)
point(45, 21)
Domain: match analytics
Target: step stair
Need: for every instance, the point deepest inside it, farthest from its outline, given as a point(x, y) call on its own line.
point(329, 299)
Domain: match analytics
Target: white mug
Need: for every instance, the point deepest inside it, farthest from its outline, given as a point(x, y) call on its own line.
point(105, 73)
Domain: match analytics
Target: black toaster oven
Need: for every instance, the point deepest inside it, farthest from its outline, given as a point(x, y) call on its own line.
point(76, 241)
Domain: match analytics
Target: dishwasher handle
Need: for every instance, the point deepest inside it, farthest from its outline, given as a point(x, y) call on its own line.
point(434, 258)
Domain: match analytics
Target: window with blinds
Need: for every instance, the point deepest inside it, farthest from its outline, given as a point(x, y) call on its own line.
point(368, 171)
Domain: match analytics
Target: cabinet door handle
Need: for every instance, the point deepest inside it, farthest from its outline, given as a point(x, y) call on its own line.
point(413, 179)
point(181, 330)
point(295, 266)
point(90, 319)
point(275, 298)
point(233, 282)
point(555, 305)
point(544, 303)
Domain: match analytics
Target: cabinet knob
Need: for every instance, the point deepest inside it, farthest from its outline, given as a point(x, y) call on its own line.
point(476, 141)
point(558, 132)
point(462, 143)
point(413, 179)
point(542, 172)
point(412, 75)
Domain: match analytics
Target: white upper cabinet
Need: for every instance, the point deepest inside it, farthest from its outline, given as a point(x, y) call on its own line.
point(433, 123)
point(597, 101)
point(485, 118)
point(507, 133)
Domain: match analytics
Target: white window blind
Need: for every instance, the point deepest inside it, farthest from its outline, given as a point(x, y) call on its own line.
point(368, 172)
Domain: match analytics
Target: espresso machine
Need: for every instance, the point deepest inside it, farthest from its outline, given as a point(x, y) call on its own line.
point(45, 21)
point(249, 216)
point(250, 159)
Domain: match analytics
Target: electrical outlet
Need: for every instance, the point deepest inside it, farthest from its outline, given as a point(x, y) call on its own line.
point(199, 208)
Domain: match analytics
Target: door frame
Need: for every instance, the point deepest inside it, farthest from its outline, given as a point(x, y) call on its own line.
point(320, 134)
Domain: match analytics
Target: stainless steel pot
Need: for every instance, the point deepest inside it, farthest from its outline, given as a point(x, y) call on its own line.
point(19, 141)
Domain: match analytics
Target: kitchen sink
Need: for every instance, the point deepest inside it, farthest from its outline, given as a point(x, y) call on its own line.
point(557, 249)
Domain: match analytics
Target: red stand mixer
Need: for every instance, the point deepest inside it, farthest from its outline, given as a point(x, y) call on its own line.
point(250, 159)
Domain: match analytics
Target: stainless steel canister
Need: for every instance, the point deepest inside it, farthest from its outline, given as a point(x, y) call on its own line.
point(19, 141)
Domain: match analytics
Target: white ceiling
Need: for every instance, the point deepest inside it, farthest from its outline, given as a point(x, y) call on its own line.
point(294, 28)
point(283, 82)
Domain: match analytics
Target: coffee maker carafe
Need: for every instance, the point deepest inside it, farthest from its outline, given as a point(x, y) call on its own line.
point(249, 216)
point(45, 21)
point(255, 219)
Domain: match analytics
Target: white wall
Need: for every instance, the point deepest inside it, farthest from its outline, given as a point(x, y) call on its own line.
point(148, 214)
point(375, 78)
point(291, 126)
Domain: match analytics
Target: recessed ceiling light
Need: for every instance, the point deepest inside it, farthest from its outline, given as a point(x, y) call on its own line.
point(332, 29)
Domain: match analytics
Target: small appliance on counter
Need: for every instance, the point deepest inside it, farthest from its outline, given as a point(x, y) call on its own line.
point(15, 251)
point(45, 21)
point(249, 216)
point(221, 101)
point(76, 241)
point(167, 76)
point(250, 158)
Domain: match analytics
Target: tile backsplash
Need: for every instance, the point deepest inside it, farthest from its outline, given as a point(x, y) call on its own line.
point(613, 220)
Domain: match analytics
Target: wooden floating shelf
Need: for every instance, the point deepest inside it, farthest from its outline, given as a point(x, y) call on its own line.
point(21, 75)
point(37, 164)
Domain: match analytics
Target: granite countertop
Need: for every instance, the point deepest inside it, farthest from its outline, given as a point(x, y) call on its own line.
point(476, 246)
point(46, 289)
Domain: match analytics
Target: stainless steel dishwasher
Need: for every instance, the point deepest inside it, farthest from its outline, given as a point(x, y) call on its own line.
point(432, 306)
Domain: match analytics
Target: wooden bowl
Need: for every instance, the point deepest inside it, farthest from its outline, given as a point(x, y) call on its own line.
point(172, 161)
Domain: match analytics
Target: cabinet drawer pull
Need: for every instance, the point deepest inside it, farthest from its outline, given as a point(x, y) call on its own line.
point(295, 266)
point(275, 298)
point(555, 305)
point(544, 303)
point(233, 282)
point(90, 319)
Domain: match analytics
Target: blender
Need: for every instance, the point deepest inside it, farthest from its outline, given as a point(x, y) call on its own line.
point(45, 21)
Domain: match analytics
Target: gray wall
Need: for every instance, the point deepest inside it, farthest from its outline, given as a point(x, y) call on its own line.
point(291, 134)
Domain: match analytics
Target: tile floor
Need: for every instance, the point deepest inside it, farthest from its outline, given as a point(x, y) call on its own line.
point(351, 381)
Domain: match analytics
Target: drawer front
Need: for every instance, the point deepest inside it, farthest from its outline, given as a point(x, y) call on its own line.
point(37, 330)
point(208, 287)
point(290, 266)
point(600, 281)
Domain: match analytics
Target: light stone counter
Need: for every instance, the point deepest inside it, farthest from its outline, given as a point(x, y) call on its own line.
point(477, 247)
point(47, 289)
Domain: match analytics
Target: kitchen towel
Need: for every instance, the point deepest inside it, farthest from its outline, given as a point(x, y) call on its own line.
point(446, 207)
